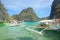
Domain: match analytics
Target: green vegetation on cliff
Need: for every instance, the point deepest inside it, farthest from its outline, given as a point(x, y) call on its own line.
point(3, 13)
point(15, 16)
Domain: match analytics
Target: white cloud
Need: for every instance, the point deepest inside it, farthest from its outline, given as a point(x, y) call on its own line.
point(16, 4)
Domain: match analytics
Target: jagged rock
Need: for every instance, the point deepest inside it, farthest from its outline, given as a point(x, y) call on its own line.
point(3, 13)
point(55, 9)
point(28, 15)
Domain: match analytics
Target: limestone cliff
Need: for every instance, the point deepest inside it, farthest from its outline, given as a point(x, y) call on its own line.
point(28, 15)
point(3, 13)
point(55, 9)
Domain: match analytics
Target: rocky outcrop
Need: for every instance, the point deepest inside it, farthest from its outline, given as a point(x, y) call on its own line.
point(28, 15)
point(3, 13)
point(55, 9)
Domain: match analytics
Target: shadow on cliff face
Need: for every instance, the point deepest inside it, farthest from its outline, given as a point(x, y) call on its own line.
point(25, 38)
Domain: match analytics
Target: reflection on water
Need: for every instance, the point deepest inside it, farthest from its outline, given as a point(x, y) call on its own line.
point(25, 38)
point(20, 33)
point(52, 34)
point(22, 38)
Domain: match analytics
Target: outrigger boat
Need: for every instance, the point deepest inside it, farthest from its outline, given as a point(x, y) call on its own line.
point(51, 26)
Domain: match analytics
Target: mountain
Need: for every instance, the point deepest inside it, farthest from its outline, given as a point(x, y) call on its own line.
point(3, 13)
point(45, 18)
point(55, 9)
point(27, 15)
point(15, 16)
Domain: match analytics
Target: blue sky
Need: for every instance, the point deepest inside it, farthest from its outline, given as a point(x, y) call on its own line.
point(42, 8)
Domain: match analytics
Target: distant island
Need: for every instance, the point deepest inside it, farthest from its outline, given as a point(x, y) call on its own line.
point(26, 15)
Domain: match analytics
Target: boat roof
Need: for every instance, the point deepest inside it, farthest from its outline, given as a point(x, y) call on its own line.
point(45, 21)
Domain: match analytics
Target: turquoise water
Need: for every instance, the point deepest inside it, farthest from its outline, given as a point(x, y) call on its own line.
point(20, 33)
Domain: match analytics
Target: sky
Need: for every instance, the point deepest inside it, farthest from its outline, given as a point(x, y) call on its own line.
point(42, 8)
